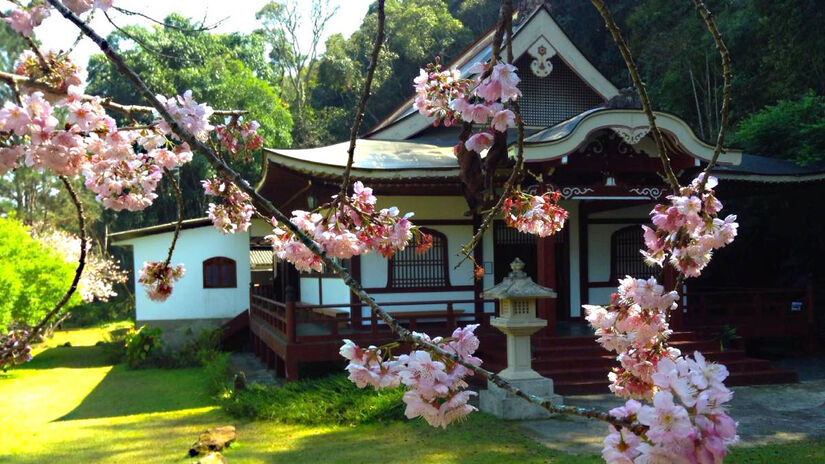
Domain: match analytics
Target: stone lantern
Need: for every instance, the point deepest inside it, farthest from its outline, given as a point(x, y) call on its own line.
point(517, 295)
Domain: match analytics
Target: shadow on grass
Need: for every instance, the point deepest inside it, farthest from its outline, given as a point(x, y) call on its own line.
point(126, 392)
point(140, 439)
point(76, 357)
point(480, 440)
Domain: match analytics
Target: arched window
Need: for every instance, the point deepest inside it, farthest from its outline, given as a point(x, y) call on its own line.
point(410, 269)
point(219, 272)
point(625, 253)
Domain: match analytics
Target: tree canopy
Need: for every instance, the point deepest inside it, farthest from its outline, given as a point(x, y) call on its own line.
point(228, 70)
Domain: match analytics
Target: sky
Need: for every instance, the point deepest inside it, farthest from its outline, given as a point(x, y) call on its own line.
point(237, 15)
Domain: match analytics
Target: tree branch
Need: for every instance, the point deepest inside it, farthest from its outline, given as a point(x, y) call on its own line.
point(640, 86)
point(179, 202)
point(81, 262)
point(710, 22)
point(505, 23)
point(128, 110)
point(365, 95)
point(267, 206)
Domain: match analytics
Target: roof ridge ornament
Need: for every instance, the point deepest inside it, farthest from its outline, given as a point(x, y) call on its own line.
point(542, 52)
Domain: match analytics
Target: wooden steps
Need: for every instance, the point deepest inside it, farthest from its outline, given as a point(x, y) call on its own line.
point(578, 365)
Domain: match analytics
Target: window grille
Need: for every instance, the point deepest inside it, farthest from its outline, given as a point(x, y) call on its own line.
point(219, 272)
point(547, 101)
point(410, 269)
point(625, 250)
point(506, 235)
point(521, 307)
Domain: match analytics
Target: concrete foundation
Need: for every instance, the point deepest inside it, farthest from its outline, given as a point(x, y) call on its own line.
point(503, 405)
point(176, 332)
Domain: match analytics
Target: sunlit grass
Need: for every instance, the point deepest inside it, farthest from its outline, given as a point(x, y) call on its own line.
point(70, 405)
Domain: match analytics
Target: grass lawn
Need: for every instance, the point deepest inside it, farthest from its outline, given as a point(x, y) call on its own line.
point(71, 405)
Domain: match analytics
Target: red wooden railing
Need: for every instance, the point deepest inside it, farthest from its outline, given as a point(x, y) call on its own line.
point(301, 322)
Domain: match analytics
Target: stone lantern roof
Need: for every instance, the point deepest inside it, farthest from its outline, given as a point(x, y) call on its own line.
point(518, 285)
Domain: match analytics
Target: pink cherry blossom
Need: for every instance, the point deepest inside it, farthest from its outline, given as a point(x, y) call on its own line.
point(479, 142)
point(534, 214)
point(191, 115)
point(9, 157)
point(503, 119)
point(158, 279)
point(235, 213)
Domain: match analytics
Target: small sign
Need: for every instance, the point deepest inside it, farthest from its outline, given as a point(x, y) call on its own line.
point(796, 306)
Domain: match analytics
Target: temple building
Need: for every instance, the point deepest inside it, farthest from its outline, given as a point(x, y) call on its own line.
point(585, 138)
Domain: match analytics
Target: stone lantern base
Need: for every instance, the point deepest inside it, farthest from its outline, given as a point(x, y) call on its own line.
point(503, 405)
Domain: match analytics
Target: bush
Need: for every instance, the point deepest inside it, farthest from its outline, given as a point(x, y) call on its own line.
point(140, 344)
point(145, 348)
point(333, 400)
point(33, 278)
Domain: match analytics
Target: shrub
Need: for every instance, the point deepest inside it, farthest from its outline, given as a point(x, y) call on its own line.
point(332, 400)
point(145, 348)
point(32, 277)
point(139, 345)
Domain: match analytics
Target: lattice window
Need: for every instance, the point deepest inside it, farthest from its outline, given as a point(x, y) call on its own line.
point(410, 269)
point(625, 253)
point(220, 272)
point(521, 307)
point(547, 101)
point(506, 235)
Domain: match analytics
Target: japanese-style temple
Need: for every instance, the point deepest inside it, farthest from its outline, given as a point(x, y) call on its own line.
point(585, 139)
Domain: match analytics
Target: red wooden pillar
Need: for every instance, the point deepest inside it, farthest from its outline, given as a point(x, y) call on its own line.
point(677, 317)
point(546, 307)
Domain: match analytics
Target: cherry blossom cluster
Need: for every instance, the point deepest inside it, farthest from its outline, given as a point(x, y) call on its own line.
point(235, 213)
point(101, 272)
point(634, 325)
point(24, 19)
point(191, 115)
point(61, 74)
point(534, 214)
point(158, 277)
point(687, 421)
point(436, 389)
point(688, 229)
point(345, 228)
point(445, 96)
point(240, 138)
point(14, 349)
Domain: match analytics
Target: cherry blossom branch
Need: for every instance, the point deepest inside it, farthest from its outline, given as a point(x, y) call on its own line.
point(179, 201)
point(710, 22)
point(640, 86)
point(365, 95)
point(267, 206)
point(81, 262)
point(505, 23)
point(127, 110)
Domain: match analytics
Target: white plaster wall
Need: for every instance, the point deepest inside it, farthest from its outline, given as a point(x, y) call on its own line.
point(189, 300)
point(572, 207)
point(309, 290)
point(427, 207)
point(636, 211)
point(598, 248)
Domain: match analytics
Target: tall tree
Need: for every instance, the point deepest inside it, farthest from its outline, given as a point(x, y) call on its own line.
point(296, 61)
point(416, 31)
point(228, 70)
